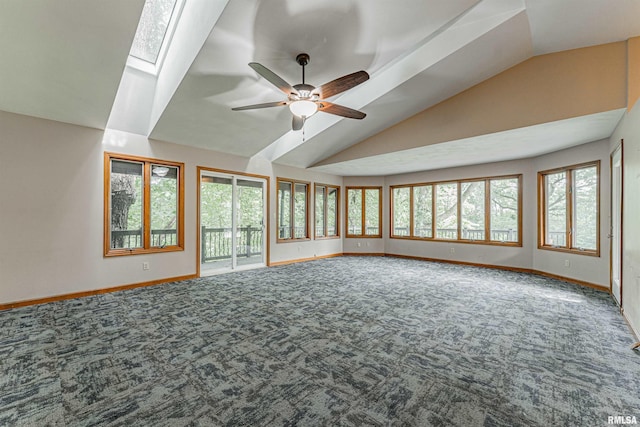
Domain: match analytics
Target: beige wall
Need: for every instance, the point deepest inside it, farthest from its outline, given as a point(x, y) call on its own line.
point(633, 74)
point(541, 89)
point(51, 184)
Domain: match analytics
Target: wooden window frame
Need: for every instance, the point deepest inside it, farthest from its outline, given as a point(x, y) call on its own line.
point(293, 183)
point(326, 210)
point(363, 222)
point(487, 212)
point(542, 202)
point(146, 220)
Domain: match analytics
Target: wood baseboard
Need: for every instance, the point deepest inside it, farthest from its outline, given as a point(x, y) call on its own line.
point(94, 292)
point(295, 261)
point(279, 263)
point(364, 254)
point(570, 280)
point(507, 268)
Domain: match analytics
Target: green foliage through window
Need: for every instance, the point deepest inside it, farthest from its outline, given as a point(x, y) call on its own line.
point(484, 210)
point(326, 210)
point(144, 205)
point(363, 211)
point(570, 210)
point(293, 213)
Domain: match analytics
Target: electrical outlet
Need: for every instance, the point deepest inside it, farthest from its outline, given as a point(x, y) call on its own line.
point(145, 265)
point(359, 244)
point(452, 250)
point(567, 263)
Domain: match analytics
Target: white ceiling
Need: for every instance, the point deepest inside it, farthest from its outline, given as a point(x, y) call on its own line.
point(508, 145)
point(64, 60)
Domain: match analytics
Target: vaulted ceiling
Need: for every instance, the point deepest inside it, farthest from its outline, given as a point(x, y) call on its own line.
point(66, 60)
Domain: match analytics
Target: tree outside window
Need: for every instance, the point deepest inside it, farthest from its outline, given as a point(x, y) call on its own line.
point(401, 200)
point(570, 216)
point(485, 210)
point(326, 210)
point(292, 210)
point(364, 212)
point(422, 210)
point(143, 205)
point(447, 211)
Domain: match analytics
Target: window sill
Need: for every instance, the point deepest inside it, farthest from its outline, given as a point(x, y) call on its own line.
point(594, 253)
point(299, 239)
point(327, 237)
point(140, 251)
point(467, 241)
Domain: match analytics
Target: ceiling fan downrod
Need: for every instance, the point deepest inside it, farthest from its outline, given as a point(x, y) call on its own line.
point(303, 59)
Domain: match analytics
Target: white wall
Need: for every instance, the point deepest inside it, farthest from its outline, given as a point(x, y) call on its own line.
point(629, 130)
point(51, 214)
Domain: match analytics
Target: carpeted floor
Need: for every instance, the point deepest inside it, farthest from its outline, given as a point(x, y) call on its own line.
point(342, 341)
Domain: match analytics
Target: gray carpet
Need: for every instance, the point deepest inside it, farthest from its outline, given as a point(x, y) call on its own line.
point(342, 341)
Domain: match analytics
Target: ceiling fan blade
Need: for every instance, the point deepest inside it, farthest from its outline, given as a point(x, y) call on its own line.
point(273, 78)
point(340, 110)
point(341, 84)
point(297, 123)
point(265, 105)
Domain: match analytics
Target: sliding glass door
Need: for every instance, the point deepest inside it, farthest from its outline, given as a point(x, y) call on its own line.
point(232, 222)
point(250, 216)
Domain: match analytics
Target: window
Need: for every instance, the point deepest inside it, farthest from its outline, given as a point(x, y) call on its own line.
point(504, 218)
point(569, 209)
point(144, 205)
point(326, 212)
point(364, 211)
point(400, 198)
point(472, 197)
point(483, 210)
point(292, 210)
point(446, 211)
point(422, 211)
point(157, 22)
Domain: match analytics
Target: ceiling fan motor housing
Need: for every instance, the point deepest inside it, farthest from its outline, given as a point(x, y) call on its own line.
point(303, 59)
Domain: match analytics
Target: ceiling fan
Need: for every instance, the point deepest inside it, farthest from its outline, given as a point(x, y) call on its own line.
point(305, 100)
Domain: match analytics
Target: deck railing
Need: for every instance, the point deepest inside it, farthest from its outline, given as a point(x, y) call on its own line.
point(509, 235)
point(355, 230)
point(284, 232)
point(216, 243)
point(133, 238)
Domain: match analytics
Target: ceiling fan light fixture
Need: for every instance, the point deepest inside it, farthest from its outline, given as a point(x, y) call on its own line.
point(303, 108)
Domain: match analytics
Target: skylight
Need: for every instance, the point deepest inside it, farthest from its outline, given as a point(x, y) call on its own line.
point(157, 18)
